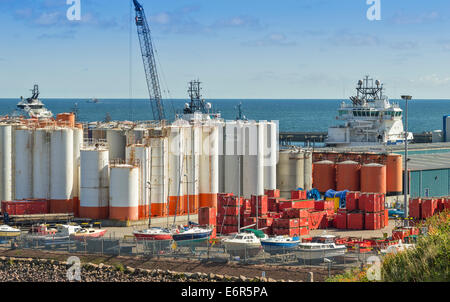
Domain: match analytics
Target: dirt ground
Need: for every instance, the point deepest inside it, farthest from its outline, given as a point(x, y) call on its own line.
point(192, 266)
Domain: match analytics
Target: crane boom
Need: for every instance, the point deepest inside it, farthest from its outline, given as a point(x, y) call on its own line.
point(148, 57)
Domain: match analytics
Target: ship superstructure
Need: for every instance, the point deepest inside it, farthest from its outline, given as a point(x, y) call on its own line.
point(370, 119)
point(33, 107)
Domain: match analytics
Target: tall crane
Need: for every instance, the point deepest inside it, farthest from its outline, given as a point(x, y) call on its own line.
point(148, 57)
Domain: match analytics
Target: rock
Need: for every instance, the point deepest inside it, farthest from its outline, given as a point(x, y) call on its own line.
point(242, 278)
point(101, 265)
point(271, 280)
point(130, 270)
point(219, 277)
point(211, 276)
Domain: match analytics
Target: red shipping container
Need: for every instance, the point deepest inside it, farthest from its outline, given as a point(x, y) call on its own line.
point(230, 211)
point(317, 219)
point(355, 221)
point(301, 204)
point(295, 213)
point(287, 223)
point(440, 204)
point(291, 232)
point(380, 217)
point(319, 205)
point(272, 193)
point(371, 202)
point(351, 199)
point(447, 203)
point(230, 220)
point(303, 231)
point(429, 207)
point(386, 218)
point(207, 216)
point(299, 195)
point(221, 197)
point(362, 201)
point(400, 234)
point(415, 208)
point(341, 221)
point(382, 202)
point(273, 204)
point(382, 220)
point(274, 215)
point(265, 222)
point(342, 211)
point(249, 221)
point(261, 202)
point(371, 221)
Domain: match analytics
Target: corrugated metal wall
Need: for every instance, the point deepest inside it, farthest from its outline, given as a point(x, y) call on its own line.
point(430, 183)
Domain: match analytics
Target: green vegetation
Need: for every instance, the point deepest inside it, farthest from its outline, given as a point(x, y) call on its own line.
point(119, 267)
point(429, 261)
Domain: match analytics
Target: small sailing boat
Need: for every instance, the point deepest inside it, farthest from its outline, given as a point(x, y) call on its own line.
point(153, 233)
point(246, 244)
point(279, 244)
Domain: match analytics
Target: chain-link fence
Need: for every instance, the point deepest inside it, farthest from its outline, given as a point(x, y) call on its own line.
point(205, 249)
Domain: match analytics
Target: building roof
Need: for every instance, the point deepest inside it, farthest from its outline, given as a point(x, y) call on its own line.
point(428, 161)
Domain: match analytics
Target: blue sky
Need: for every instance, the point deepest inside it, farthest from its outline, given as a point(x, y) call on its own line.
point(238, 49)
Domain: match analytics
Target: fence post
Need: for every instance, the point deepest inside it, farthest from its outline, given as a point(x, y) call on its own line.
point(119, 247)
point(102, 244)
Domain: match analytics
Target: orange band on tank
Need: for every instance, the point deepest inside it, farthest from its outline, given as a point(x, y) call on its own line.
point(61, 206)
point(193, 204)
point(76, 207)
point(208, 200)
point(176, 203)
point(124, 213)
point(158, 209)
point(94, 212)
point(143, 211)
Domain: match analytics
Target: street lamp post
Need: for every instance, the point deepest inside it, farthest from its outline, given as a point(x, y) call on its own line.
point(406, 176)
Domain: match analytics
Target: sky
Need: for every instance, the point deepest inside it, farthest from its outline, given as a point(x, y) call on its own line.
point(239, 49)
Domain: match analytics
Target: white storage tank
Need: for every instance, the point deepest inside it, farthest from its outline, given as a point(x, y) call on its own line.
point(77, 143)
point(209, 165)
point(6, 163)
point(233, 157)
point(142, 155)
point(159, 180)
point(176, 170)
point(250, 165)
point(290, 171)
point(61, 171)
point(124, 193)
point(270, 156)
point(117, 142)
point(94, 183)
point(41, 163)
point(308, 170)
point(23, 162)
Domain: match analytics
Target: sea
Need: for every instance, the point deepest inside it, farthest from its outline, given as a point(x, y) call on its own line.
point(300, 115)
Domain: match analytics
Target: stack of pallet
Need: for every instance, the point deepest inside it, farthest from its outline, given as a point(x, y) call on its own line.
point(363, 211)
point(422, 208)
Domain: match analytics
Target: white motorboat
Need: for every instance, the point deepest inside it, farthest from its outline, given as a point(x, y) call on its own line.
point(9, 232)
point(371, 119)
point(280, 244)
point(399, 247)
point(320, 247)
point(244, 245)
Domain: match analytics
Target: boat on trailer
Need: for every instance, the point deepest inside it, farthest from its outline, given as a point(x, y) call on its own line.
point(153, 233)
point(320, 247)
point(280, 244)
point(245, 244)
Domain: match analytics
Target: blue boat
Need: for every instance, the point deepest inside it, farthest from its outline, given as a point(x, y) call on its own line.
point(280, 244)
point(191, 233)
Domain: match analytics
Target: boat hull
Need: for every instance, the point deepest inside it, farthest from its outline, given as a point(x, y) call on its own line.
point(242, 250)
point(152, 236)
point(279, 247)
point(88, 236)
point(191, 236)
point(4, 234)
point(308, 254)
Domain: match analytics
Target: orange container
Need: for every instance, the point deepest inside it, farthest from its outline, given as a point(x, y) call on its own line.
point(348, 176)
point(373, 178)
point(324, 175)
point(394, 178)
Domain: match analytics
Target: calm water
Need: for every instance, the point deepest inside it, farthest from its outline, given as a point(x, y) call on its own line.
point(294, 115)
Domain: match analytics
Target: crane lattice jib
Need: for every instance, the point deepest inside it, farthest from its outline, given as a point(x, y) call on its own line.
point(148, 57)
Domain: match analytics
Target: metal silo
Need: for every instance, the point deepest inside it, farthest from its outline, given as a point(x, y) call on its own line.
point(142, 154)
point(61, 171)
point(77, 143)
point(6, 162)
point(124, 193)
point(41, 163)
point(214, 164)
point(159, 181)
point(94, 182)
point(290, 171)
point(308, 180)
point(23, 163)
point(233, 150)
point(117, 141)
point(260, 166)
point(250, 178)
point(176, 169)
point(270, 157)
point(193, 151)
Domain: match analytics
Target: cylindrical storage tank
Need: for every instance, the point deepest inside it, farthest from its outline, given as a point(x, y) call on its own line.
point(142, 155)
point(250, 177)
point(117, 142)
point(77, 143)
point(159, 181)
point(61, 171)
point(136, 136)
point(290, 172)
point(233, 157)
point(260, 166)
point(188, 168)
point(94, 183)
point(6, 163)
point(373, 178)
point(270, 157)
point(194, 173)
point(41, 164)
point(308, 179)
point(176, 169)
point(23, 163)
point(394, 175)
point(324, 176)
point(209, 166)
point(348, 176)
point(124, 193)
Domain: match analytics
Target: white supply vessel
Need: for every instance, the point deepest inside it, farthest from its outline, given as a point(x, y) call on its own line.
point(371, 119)
point(33, 107)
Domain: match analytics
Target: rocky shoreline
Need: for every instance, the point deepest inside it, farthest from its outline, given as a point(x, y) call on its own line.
point(13, 269)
